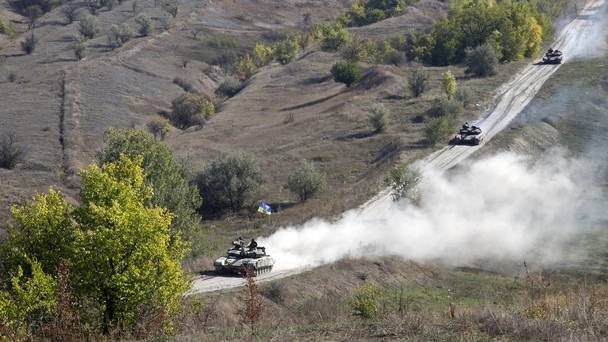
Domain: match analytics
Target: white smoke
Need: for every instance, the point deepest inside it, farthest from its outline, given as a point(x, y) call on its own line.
point(592, 41)
point(503, 207)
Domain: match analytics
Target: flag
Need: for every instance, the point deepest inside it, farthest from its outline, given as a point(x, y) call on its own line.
point(264, 208)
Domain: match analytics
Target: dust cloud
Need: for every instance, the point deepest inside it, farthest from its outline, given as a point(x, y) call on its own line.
point(505, 207)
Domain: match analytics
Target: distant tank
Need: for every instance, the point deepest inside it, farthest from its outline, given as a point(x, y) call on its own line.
point(468, 135)
point(240, 258)
point(553, 57)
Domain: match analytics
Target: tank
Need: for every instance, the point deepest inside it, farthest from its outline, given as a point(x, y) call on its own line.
point(553, 57)
point(240, 258)
point(468, 135)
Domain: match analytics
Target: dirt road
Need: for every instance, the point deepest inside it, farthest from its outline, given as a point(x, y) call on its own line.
point(510, 100)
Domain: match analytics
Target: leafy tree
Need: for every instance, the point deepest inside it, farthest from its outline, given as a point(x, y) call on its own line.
point(448, 84)
point(403, 181)
point(378, 117)
point(444, 107)
point(332, 37)
point(286, 50)
point(481, 61)
point(346, 72)
point(172, 8)
point(358, 50)
point(162, 173)
point(33, 13)
point(417, 82)
point(146, 26)
point(119, 35)
point(79, 48)
point(306, 181)
point(88, 26)
point(262, 54)
point(69, 11)
point(191, 109)
point(230, 87)
point(124, 255)
point(159, 127)
point(229, 182)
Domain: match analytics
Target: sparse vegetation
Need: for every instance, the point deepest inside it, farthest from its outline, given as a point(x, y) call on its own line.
point(444, 107)
point(286, 50)
point(190, 110)
point(332, 37)
point(417, 82)
point(306, 181)
point(365, 300)
point(378, 117)
point(184, 84)
point(11, 152)
point(146, 26)
point(404, 181)
point(230, 86)
point(439, 128)
point(346, 72)
point(262, 54)
point(229, 182)
point(69, 11)
point(171, 7)
point(12, 76)
point(79, 48)
point(32, 14)
point(245, 67)
point(29, 44)
point(158, 127)
point(88, 26)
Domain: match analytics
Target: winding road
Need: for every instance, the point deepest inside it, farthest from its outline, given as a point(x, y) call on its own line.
point(510, 99)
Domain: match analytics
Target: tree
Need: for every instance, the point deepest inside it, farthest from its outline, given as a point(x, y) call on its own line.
point(79, 48)
point(119, 35)
point(245, 67)
point(229, 182)
point(286, 50)
point(191, 109)
point(378, 117)
point(332, 37)
point(346, 72)
point(69, 11)
point(124, 255)
point(162, 173)
point(449, 84)
point(439, 128)
point(88, 26)
point(159, 127)
point(306, 181)
point(146, 26)
point(32, 13)
point(444, 107)
point(11, 153)
point(230, 87)
point(481, 61)
point(417, 82)
point(262, 54)
point(403, 181)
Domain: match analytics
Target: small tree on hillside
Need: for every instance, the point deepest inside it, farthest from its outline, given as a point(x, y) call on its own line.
point(346, 72)
point(69, 11)
point(79, 48)
point(439, 128)
point(11, 153)
point(417, 82)
point(286, 50)
point(119, 35)
point(190, 109)
point(146, 26)
point(32, 13)
point(449, 84)
point(481, 61)
point(378, 117)
point(88, 26)
point(29, 44)
point(229, 182)
point(158, 127)
point(252, 310)
point(306, 181)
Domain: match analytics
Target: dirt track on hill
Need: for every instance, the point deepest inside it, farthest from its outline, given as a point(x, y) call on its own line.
point(510, 100)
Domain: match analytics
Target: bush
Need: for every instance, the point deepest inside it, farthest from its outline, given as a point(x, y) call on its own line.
point(444, 107)
point(306, 181)
point(158, 127)
point(403, 182)
point(358, 50)
point(69, 11)
point(481, 61)
point(11, 153)
point(245, 67)
point(449, 84)
point(185, 85)
point(417, 82)
point(230, 87)
point(333, 36)
point(79, 49)
point(119, 35)
point(146, 26)
point(346, 72)
point(12, 77)
point(88, 26)
point(286, 50)
point(190, 110)
point(463, 95)
point(262, 54)
point(439, 128)
point(229, 182)
point(29, 44)
point(365, 300)
point(378, 117)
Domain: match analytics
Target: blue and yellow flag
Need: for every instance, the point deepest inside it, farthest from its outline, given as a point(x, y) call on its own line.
point(264, 208)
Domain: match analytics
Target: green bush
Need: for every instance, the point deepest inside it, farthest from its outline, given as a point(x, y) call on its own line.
point(286, 50)
point(481, 61)
point(444, 107)
point(191, 109)
point(88, 26)
point(358, 50)
point(333, 36)
point(417, 82)
point(378, 117)
point(365, 300)
point(403, 182)
point(119, 35)
point(79, 49)
point(11, 153)
point(229, 182)
point(146, 26)
point(370, 11)
point(438, 129)
point(230, 87)
point(306, 181)
point(346, 72)
point(245, 67)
